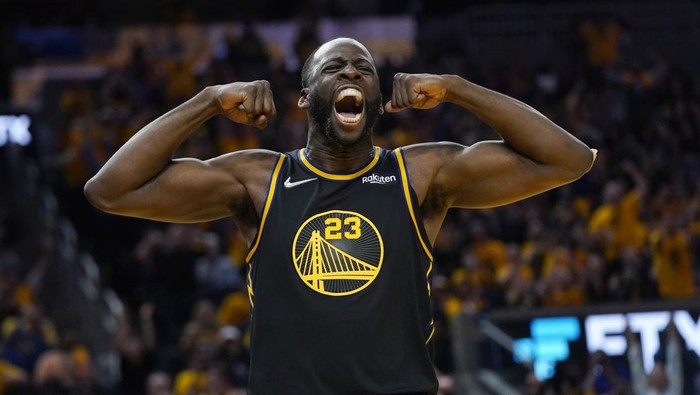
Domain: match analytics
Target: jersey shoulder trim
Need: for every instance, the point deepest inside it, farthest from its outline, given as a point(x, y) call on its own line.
point(266, 208)
point(407, 194)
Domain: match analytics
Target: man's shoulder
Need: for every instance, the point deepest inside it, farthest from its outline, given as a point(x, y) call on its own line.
point(431, 152)
point(250, 158)
point(252, 154)
point(250, 167)
point(424, 160)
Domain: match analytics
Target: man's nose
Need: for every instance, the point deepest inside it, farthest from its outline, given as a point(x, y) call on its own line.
point(350, 72)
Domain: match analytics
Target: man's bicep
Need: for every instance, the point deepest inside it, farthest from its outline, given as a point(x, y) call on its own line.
point(187, 190)
point(489, 174)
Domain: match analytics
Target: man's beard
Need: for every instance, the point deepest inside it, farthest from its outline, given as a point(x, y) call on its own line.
point(321, 112)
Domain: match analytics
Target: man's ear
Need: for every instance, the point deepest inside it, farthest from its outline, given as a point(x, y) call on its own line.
point(304, 99)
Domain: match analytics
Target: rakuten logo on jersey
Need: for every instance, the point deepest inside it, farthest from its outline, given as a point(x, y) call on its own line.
point(375, 179)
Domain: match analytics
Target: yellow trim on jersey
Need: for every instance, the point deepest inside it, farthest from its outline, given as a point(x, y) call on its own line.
point(407, 194)
point(268, 201)
point(427, 275)
point(249, 285)
point(338, 177)
point(432, 331)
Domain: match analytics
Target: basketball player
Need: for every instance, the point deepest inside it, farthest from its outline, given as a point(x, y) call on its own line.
point(340, 232)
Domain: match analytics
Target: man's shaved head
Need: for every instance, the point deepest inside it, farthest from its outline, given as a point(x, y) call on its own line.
point(305, 70)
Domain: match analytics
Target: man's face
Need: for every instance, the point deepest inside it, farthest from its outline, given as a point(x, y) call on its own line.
point(343, 95)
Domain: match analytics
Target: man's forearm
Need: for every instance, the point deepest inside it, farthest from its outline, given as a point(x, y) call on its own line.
point(148, 152)
point(524, 129)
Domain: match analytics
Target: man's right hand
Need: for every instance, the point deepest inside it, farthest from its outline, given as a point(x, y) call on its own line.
point(249, 103)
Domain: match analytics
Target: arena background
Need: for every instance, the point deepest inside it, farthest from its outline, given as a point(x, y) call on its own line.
point(532, 298)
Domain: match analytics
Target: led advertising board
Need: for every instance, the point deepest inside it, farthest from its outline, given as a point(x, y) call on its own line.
point(552, 338)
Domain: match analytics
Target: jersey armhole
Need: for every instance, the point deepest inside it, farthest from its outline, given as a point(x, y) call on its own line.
point(420, 231)
point(406, 186)
point(266, 208)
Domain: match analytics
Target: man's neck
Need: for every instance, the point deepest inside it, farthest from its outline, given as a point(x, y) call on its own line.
point(339, 158)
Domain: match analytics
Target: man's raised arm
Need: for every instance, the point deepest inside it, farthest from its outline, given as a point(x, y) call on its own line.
point(535, 154)
point(142, 179)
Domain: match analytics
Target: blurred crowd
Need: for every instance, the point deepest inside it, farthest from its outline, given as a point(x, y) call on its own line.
point(628, 231)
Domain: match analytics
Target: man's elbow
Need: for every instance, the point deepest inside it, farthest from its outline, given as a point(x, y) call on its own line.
point(580, 164)
point(97, 197)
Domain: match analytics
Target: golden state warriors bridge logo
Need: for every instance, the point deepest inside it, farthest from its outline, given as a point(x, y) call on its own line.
point(338, 252)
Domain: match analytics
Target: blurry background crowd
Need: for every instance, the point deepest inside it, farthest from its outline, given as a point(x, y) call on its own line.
point(97, 304)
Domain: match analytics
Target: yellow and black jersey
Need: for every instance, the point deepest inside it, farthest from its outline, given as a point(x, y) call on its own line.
point(339, 282)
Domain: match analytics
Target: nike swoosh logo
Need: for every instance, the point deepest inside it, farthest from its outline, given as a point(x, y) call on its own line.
point(289, 184)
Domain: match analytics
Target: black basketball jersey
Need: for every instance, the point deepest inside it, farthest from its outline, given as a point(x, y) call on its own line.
point(339, 282)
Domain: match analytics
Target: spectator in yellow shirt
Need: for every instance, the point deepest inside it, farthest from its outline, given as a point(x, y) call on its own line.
point(193, 380)
point(616, 224)
point(673, 266)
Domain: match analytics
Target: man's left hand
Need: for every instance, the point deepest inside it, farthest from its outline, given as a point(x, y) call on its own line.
point(421, 91)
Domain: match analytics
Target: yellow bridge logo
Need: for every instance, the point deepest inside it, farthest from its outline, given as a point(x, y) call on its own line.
point(338, 252)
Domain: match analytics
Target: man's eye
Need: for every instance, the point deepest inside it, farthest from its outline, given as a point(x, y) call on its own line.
point(331, 68)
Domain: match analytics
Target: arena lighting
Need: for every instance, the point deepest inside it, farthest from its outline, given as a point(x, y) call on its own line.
point(605, 332)
point(14, 129)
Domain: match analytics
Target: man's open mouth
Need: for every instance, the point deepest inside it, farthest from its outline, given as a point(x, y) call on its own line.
point(349, 105)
